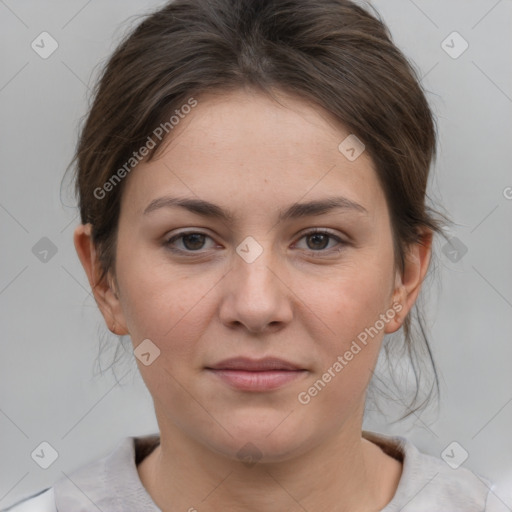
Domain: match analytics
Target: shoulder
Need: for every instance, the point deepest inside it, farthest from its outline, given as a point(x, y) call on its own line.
point(43, 501)
point(110, 483)
point(429, 483)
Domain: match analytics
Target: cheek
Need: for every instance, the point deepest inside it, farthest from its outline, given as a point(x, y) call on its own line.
point(353, 297)
point(163, 303)
point(173, 311)
point(159, 303)
point(348, 310)
point(347, 355)
point(161, 308)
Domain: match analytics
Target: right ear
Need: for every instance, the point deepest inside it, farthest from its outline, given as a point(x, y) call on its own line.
point(104, 292)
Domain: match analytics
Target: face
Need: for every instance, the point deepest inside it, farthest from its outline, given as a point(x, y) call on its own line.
point(258, 282)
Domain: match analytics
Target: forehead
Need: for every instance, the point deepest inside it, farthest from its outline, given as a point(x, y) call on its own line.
point(243, 147)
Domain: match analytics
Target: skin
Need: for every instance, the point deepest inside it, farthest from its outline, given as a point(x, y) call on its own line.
point(299, 300)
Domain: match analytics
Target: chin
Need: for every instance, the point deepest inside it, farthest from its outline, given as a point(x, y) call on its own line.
point(263, 440)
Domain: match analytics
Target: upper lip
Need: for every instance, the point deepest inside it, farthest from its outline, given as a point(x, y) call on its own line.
point(254, 365)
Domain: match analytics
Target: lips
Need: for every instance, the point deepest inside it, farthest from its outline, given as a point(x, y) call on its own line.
point(255, 365)
point(256, 375)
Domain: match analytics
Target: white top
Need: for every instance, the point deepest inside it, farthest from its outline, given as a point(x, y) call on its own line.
point(112, 483)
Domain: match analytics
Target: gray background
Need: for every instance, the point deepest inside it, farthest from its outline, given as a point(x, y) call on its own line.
point(50, 324)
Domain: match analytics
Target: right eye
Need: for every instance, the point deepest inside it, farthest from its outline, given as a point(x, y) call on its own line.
point(192, 241)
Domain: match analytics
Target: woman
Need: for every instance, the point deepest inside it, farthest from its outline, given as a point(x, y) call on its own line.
point(251, 180)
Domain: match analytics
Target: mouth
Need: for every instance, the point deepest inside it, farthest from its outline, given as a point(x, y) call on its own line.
point(247, 374)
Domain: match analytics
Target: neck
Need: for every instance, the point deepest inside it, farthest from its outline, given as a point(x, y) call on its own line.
point(343, 473)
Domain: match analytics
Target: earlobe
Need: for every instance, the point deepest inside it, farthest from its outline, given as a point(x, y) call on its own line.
point(105, 294)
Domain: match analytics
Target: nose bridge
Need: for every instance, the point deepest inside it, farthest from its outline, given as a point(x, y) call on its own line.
point(256, 296)
point(255, 262)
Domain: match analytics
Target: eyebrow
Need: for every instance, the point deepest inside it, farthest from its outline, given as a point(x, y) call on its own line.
point(295, 211)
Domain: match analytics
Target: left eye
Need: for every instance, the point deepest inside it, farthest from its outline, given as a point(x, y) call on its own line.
point(320, 240)
point(194, 241)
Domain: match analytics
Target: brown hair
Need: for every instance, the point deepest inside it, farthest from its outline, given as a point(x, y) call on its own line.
point(332, 53)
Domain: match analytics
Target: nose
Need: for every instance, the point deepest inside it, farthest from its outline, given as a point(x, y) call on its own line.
point(256, 295)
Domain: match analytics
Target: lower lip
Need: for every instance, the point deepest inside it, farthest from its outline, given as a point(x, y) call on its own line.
point(257, 381)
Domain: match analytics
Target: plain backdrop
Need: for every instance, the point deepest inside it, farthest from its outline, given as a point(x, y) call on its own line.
point(50, 390)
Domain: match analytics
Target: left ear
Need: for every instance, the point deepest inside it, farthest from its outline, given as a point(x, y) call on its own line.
point(408, 285)
point(103, 290)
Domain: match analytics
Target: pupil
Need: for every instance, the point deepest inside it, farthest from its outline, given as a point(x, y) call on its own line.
point(320, 235)
point(186, 238)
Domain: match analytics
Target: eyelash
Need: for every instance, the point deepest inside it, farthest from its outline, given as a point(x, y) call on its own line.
point(168, 243)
